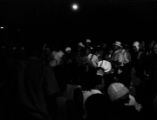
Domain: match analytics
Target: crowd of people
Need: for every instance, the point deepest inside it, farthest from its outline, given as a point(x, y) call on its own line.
point(83, 82)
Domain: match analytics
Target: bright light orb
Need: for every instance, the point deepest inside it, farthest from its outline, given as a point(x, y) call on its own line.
point(1, 27)
point(75, 6)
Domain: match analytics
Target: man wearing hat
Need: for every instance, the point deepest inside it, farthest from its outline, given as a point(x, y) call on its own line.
point(123, 104)
point(121, 59)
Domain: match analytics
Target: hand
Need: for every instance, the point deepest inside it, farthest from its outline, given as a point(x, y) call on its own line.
point(132, 101)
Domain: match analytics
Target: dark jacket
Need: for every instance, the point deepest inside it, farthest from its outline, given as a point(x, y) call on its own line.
point(33, 89)
point(97, 107)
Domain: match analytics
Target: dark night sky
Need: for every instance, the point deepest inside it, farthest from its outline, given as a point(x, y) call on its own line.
point(99, 19)
point(92, 11)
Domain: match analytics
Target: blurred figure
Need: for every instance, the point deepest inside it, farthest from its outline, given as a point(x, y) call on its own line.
point(94, 101)
point(117, 45)
point(46, 53)
point(33, 88)
point(138, 73)
point(52, 86)
point(136, 46)
point(151, 46)
point(56, 57)
point(123, 104)
point(152, 83)
point(4, 83)
point(70, 65)
point(57, 62)
point(121, 59)
point(68, 50)
point(120, 55)
point(88, 42)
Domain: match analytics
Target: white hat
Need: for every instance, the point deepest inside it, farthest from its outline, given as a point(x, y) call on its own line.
point(68, 49)
point(105, 65)
point(88, 41)
point(117, 91)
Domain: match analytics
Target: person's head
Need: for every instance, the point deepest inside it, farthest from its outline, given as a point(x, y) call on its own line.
point(68, 50)
point(136, 46)
point(91, 80)
point(56, 58)
point(117, 45)
point(88, 42)
point(117, 91)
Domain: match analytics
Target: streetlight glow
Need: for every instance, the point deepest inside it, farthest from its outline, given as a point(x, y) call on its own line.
point(75, 6)
point(1, 27)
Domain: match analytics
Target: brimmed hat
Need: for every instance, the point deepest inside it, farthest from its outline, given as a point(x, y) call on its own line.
point(117, 43)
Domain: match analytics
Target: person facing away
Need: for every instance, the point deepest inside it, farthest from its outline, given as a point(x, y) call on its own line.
point(95, 102)
point(33, 89)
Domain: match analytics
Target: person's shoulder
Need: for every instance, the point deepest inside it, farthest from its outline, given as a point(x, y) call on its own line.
point(97, 104)
point(97, 99)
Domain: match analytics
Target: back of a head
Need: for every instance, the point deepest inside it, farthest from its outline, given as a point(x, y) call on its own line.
point(91, 79)
point(117, 91)
point(97, 107)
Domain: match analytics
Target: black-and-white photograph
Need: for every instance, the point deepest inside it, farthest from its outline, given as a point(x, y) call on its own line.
point(78, 59)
